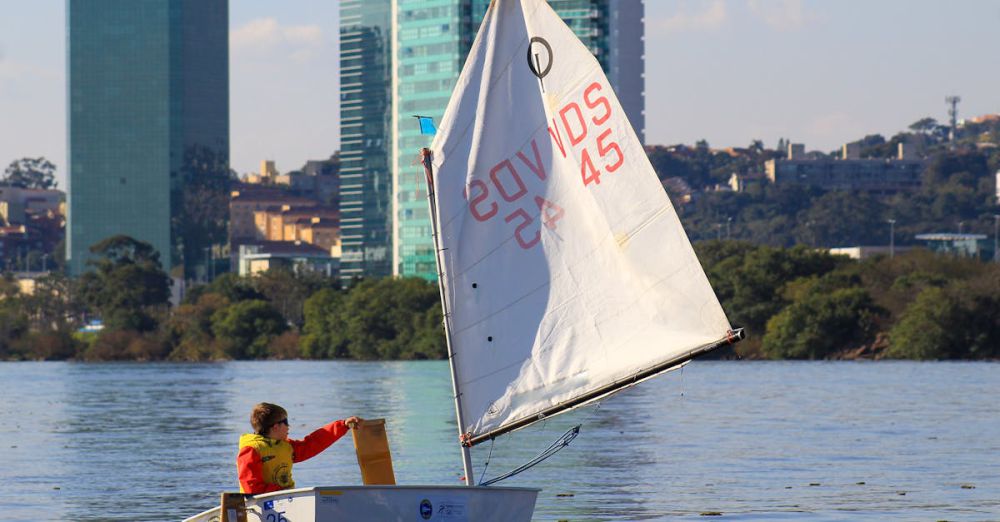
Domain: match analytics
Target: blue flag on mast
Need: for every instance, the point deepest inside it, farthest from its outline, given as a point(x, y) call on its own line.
point(426, 125)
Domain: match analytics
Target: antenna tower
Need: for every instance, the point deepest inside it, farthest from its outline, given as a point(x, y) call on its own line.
point(953, 113)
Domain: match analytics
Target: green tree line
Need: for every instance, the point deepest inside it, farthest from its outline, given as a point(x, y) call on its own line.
point(279, 314)
point(796, 303)
point(799, 303)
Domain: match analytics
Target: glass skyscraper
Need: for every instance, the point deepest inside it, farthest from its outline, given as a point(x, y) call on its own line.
point(429, 40)
point(432, 39)
point(148, 85)
point(365, 139)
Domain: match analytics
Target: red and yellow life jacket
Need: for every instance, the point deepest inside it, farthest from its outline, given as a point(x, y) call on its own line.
point(275, 456)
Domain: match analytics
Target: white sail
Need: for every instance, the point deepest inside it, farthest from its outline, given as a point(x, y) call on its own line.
point(564, 263)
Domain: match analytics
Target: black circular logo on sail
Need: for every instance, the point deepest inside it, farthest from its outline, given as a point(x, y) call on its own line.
point(539, 52)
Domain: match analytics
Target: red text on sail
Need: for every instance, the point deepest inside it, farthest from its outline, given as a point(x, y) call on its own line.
point(588, 133)
point(507, 193)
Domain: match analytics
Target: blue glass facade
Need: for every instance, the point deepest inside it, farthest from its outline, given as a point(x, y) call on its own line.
point(365, 138)
point(148, 84)
point(432, 39)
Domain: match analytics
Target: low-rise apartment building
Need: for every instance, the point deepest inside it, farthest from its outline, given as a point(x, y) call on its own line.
point(246, 201)
point(849, 172)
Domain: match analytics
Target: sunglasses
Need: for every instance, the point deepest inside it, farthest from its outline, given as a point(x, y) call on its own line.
point(282, 421)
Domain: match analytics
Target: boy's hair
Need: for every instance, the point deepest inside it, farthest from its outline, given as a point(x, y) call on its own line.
point(265, 415)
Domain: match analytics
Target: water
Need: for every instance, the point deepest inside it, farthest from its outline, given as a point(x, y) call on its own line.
point(750, 440)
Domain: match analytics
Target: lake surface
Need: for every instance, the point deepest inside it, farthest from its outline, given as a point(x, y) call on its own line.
point(749, 440)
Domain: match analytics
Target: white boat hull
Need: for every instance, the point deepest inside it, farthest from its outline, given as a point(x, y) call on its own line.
point(387, 503)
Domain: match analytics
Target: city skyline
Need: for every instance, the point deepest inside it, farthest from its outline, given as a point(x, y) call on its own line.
point(820, 73)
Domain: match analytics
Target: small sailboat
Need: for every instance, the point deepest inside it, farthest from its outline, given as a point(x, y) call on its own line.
point(564, 271)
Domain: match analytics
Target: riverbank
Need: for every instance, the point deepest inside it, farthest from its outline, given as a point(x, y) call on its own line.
point(795, 303)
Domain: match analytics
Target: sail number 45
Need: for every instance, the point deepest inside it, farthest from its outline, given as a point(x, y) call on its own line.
point(577, 128)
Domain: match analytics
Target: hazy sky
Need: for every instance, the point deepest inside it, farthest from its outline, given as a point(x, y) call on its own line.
point(821, 72)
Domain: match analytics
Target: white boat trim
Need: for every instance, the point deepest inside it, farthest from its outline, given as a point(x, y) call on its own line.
point(385, 503)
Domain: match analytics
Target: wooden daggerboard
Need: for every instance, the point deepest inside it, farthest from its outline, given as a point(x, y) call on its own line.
point(372, 446)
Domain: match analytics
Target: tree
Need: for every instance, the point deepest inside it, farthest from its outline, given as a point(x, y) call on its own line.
point(126, 284)
point(766, 215)
point(378, 319)
point(49, 346)
point(750, 281)
point(246, 329)
point(842, 218)
point(323, 337)
point(943, 167)
point(53, 306)
point(957, 318)
point(34, 173)
point(13, 320)
point(820, 324)
point(924, 125)
point(981, 298)
point(229, 285)
point(428, 338)
point(287, 290)
point(190, 329)
point(928, 329)
point(125, 345)
point(874, 146)
point(285, 346)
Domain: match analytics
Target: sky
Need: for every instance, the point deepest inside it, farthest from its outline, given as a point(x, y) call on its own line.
point(819, 72)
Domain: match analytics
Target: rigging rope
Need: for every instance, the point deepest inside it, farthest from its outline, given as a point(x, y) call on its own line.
point(488, 458)
point(559, 444)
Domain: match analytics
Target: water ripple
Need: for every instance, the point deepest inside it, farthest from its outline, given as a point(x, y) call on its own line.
point(750, 440)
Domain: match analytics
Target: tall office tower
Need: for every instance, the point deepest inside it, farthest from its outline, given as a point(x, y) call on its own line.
point(432, 38)
point(148, 98)
point(614, 31)
point(384, 205)
point(365, 138)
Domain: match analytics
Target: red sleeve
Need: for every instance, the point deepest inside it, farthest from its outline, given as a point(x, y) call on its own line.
point(317, 441)
point(251, 472)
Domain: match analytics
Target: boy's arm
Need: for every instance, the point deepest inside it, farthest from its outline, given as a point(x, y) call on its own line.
point(251, 472)
point(317, 441)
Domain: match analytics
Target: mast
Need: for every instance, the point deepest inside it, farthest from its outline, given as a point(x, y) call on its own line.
point(426, 157)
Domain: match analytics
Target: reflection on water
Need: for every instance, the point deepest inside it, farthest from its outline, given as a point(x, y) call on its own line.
point(755, 441)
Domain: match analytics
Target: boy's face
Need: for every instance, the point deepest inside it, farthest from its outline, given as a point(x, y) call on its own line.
point(279, 431)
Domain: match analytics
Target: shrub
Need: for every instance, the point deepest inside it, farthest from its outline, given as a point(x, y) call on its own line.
point(245, 329)
point(821, 324)
point(285, 346)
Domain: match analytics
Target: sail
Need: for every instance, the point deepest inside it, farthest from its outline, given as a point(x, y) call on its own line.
point(564, 264)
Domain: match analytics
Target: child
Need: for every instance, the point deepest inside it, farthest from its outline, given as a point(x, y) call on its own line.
point(264, 463)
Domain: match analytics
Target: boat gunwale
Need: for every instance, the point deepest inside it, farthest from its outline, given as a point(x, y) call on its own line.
point(320, 489)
